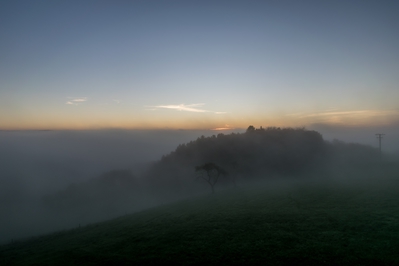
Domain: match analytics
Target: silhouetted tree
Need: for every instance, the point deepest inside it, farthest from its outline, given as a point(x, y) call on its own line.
point(210, 172)
point(251, 129)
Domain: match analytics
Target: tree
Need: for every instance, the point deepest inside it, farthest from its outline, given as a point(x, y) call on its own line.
point(251, 129)
point(210, 172)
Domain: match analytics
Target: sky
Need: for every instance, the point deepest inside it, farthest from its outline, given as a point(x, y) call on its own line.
point(198, 64)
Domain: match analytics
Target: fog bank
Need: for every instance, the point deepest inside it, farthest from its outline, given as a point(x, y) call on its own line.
point(37, 163)
point(54, 180)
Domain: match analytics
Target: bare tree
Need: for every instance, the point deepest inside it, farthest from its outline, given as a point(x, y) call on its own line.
point(210, 172)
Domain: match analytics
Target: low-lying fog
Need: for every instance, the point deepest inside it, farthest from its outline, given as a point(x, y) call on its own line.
point(362, 135)
point(35, 164)
point(38, 161)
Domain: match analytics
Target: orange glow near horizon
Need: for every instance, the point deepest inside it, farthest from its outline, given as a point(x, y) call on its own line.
point(201, 122)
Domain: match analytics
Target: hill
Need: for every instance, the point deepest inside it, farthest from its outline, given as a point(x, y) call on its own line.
point(296, 221)
point(263, 153)
point(258, 154)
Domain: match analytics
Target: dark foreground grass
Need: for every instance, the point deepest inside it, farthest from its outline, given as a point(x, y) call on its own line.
point(281, 224)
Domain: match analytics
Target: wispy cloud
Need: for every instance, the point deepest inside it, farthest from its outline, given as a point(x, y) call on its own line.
point(76, 100)
point(117, 101)
point(183, 107)
point(196, 108)
point(334, 116)
point(226, 127)
point(346, 113)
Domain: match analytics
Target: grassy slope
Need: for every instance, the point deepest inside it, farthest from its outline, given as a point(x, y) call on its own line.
point(326, 224)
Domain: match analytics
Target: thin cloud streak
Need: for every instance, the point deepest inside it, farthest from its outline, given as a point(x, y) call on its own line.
point(185, 107)
point(346, 113)
point(226, 127)
point(182, 107)
point(352, 117)
point(76, 100)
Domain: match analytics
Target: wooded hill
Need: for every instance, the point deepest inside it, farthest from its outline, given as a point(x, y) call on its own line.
point(259, 153)
point(263, 153)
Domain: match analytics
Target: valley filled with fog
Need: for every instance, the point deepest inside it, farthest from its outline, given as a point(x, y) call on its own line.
point(56, 180)
point(38, 163)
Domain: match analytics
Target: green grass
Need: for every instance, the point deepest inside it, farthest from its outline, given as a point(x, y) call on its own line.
point(301, 223)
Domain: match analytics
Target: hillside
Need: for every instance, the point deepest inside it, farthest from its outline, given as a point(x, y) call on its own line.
point(258, 154)
point(302, 222)
point(110, 195)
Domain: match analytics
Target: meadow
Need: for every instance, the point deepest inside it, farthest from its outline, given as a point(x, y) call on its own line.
point(350, 220)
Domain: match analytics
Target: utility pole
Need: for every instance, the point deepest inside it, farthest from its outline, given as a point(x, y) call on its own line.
point(379, 137)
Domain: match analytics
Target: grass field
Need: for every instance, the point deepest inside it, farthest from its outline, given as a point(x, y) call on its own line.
point(281, 223)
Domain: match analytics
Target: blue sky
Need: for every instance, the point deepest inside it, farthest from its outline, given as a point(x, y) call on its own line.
point(198, 64)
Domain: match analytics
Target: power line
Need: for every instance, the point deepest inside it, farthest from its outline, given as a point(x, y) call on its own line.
point(379, 136)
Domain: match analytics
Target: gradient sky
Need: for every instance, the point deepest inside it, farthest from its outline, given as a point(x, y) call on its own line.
point(198, 64)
